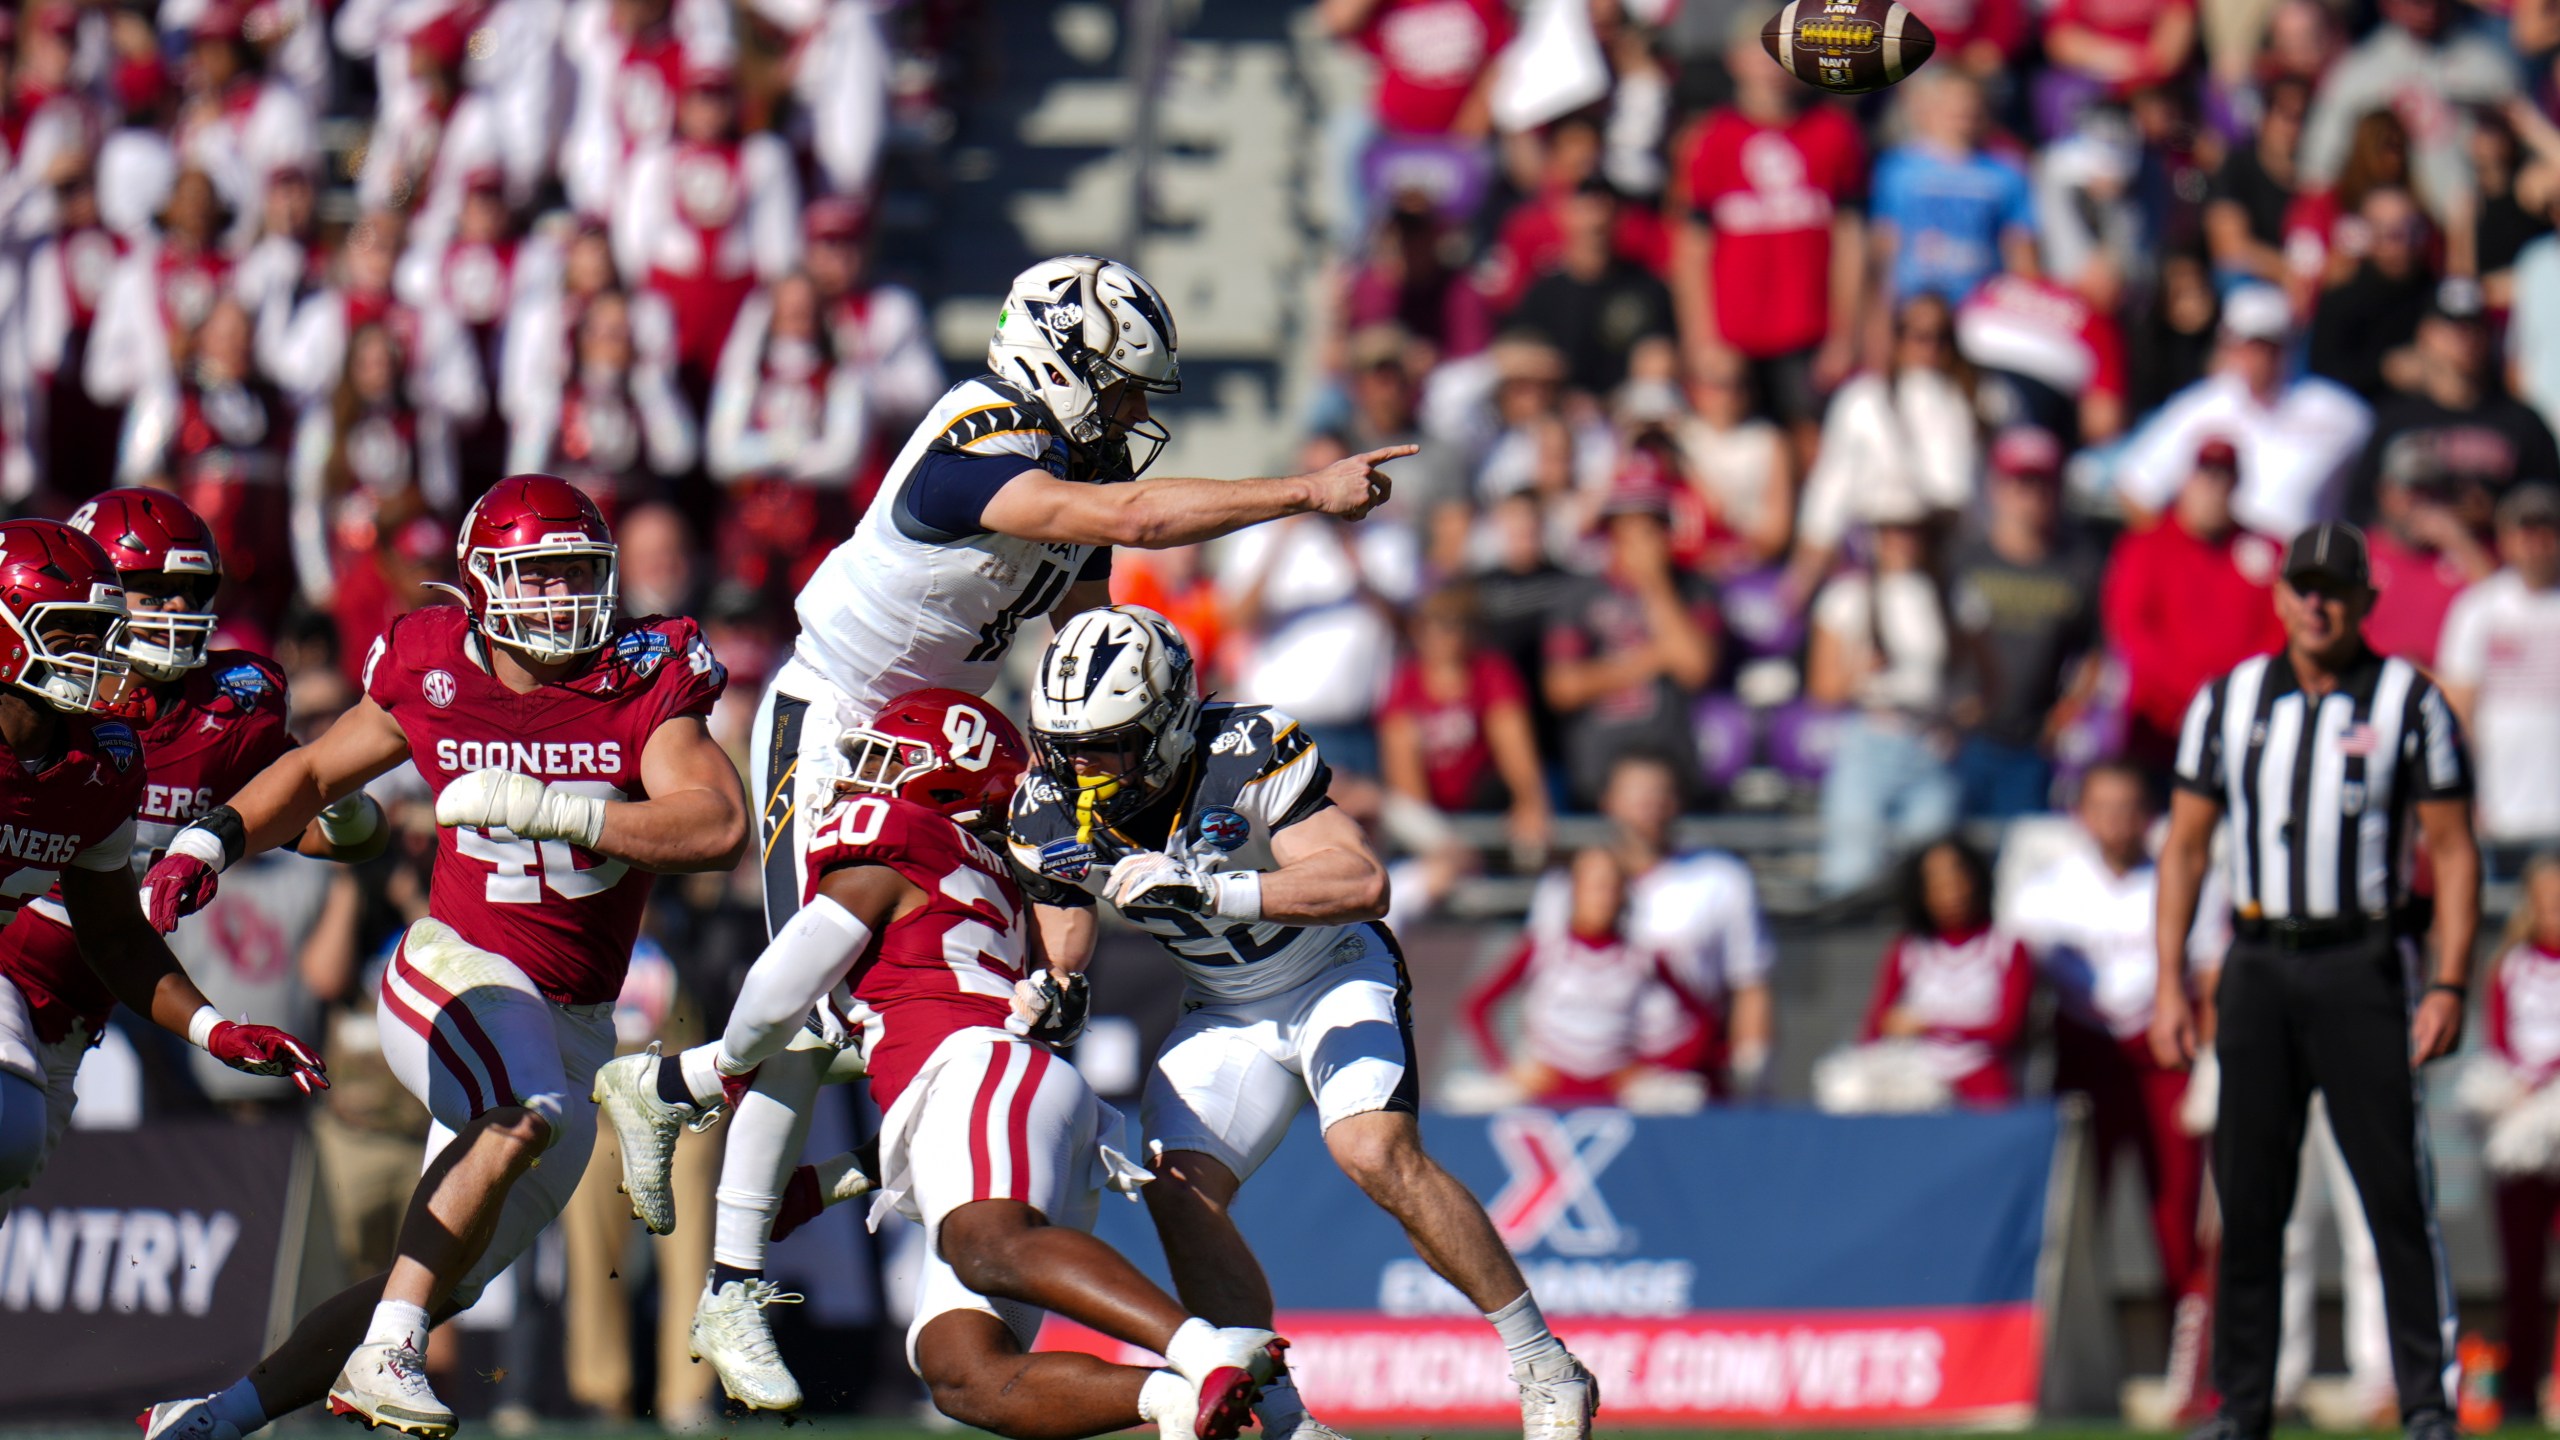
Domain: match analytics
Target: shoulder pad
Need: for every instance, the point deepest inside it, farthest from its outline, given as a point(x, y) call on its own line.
point(1004, 410)
point(1250, 741)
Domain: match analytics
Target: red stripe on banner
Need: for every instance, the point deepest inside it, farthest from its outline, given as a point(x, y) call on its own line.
point(437, 1044)
point(1017, 1126)
point(981, 1118)
point(466, 1024)
point(1959, 1365)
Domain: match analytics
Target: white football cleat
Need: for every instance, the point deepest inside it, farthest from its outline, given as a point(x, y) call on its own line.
point(385, 1386)
point(627, 1091)
point(1557, 1400)
point(185, 1420)
point(730, 1331)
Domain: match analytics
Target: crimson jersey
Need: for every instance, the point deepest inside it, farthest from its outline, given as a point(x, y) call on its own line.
point(76, 808)
point(948, 966)
point(563, 914)
point(203, 736)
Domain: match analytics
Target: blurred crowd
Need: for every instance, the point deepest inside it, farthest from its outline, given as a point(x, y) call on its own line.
point(1909, 460)
point(1905, 456)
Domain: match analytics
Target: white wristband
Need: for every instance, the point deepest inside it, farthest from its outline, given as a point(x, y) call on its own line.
point(1236, 895)
point(350, 820)
point(578, 819)
point(197, 843)
point(200, 1028)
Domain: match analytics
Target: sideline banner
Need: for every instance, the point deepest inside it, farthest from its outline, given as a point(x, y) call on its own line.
point(1735, 1267)
point(142, 1264)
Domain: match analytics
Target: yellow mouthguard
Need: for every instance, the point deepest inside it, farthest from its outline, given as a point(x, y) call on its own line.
point(1091, 790)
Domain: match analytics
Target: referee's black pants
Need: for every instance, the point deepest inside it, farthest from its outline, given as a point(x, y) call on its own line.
point(2335, 1019)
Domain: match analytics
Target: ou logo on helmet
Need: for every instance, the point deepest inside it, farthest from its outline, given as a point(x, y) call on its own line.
point(973, 745)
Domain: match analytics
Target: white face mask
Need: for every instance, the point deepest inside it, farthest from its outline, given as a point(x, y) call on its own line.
point(516, 611)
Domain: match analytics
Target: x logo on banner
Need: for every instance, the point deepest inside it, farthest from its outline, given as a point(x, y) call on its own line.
point(1554, 1192)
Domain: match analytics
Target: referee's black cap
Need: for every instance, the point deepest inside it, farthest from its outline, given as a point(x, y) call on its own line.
point(2334, 552)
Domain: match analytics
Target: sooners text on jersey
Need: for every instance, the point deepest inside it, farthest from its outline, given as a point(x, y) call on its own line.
point(564, 915)
point(203, 736)
point(947, 966)
point(82, 799)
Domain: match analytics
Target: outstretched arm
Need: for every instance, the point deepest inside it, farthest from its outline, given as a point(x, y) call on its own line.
point(278, 805)
point(1161, 514)
point(126, 953)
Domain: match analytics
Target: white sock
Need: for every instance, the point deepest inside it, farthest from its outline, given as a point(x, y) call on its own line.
point(1166, 1393)
point(738, 1235)
point(1280, 1408)
point(1525, 1334)
point(240, 1408)
point(765, 1134)
point(701, 1067)
point(395, 1321)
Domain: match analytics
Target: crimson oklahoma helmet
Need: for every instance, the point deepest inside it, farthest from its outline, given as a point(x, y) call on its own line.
point(151, 533)
point(946, 750)
point(537, 521)
point(61, 616)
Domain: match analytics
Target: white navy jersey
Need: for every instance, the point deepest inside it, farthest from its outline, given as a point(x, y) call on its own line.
point(921, 595)
point(1252, 773)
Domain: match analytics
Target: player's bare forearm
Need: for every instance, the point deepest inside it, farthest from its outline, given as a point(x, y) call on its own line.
point(1162, 514)
point(2454, 857)
point(125, 952)
point(678, 833)
point(1065, 936)
point(316, 844)
point(696, 815)
point(2184, 854)
point(1327, 874)
point(279, 804)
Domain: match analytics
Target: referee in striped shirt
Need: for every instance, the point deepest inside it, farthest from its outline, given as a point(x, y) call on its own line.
point(2333, 765)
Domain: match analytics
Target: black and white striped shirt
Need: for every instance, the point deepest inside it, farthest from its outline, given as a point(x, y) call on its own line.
point(2318, 794)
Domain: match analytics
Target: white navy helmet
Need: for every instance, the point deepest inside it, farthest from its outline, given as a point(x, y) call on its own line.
point(1073, 326)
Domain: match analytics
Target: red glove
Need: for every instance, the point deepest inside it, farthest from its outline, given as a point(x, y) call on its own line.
point(801, 1202)
point(178, 885)
point(266, 1050)
point(734, 1088)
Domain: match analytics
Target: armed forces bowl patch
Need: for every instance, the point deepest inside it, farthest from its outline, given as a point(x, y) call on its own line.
point(1068, 860)
point(242, 685)
point(1224, 829)
point(643, 650)
point(119, 743)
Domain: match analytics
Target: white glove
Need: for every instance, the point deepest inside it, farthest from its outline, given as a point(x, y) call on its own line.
point(1148, 878)
point(502, 799)
point(1152, 878)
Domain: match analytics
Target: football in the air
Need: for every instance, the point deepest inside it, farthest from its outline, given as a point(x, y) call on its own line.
point(1847, 47)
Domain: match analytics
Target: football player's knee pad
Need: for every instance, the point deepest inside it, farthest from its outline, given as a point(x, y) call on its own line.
point(22, 1131)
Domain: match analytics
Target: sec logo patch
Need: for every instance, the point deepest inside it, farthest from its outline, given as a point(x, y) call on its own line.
point(1224, 828)
point(438, 688)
